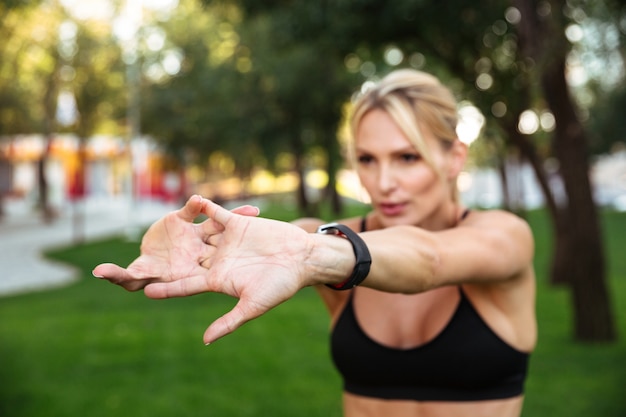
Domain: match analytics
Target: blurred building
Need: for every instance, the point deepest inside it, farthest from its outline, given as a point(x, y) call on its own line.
point(104, 166)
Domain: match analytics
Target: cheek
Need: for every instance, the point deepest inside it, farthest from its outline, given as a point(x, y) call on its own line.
point(421, 179)
point(366, 178)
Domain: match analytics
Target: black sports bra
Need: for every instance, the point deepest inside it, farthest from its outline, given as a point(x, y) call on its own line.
point(466, 361)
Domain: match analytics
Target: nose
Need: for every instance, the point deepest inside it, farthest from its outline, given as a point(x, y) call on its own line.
point(387, 180)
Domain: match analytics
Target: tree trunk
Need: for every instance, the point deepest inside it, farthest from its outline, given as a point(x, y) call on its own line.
point(330, 138)
point(583, 251)
point(50, 108)
point(506, 185)
point(579, 255)
point(297, 148)
point(47, 213)
point(559, 270)
point(78, 216)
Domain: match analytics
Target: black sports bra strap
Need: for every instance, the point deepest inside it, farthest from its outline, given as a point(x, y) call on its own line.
point(363, 224)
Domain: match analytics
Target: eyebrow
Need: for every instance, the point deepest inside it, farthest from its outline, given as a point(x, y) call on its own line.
point(408, 149)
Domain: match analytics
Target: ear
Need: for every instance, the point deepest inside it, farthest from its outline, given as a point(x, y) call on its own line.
point(457, 155)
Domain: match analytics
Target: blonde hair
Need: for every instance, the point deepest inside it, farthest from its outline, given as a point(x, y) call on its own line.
point(412, 99)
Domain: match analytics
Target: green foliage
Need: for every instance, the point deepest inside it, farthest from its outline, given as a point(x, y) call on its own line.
point(97, 82)
point(94, 349)
point(39, 59)
point(606, 125)
point(28, 62)
point(13, 4)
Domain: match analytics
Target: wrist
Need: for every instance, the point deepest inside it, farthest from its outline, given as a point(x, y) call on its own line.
point(330, 261)
point(363, 259)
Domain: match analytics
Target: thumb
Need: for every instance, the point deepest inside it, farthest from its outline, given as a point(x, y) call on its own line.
point(229, 322)
point(191, 209)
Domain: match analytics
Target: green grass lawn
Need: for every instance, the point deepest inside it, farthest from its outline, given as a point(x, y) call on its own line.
point(92, 349)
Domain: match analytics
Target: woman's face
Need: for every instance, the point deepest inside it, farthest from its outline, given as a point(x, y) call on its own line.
point(403, 188)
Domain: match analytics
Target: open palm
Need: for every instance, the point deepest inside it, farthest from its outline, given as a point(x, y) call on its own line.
point(173, 248)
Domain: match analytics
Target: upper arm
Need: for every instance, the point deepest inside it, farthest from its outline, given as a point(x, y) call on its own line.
point(487, 247)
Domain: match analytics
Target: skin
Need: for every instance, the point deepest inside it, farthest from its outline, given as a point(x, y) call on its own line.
point(264, 262)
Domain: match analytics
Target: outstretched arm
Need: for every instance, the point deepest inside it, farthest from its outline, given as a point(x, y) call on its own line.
point(264, 262)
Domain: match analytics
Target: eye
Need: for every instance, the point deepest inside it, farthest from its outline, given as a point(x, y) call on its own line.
point(410, 157)
point(364, 159)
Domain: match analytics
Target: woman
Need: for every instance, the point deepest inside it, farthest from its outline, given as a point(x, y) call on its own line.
point(441, 321)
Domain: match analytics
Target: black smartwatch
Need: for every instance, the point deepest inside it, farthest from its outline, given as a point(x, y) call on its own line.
point(363, 257)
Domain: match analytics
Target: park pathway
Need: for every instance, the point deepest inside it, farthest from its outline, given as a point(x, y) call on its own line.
point(23, 238)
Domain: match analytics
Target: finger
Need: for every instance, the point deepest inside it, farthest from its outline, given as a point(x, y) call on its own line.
point(118, 276)
point(206, 259)
point(216, 212)
point(210, 227)
point(191, 209)
point(181, 288)
point(247, 210)
point(214, 240)
point(111, 271)
point(229, 322)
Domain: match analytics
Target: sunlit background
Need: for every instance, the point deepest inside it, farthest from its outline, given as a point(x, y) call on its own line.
point(112, 112)
point(122, 162)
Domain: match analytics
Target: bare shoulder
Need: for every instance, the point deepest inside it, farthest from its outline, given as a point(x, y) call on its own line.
point(500, 222)
point(491, 245)
point(499, 217)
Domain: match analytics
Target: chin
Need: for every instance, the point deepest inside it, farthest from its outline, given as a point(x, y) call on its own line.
point(389, 221)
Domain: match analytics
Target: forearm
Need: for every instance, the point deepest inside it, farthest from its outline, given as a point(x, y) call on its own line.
point(404, 260)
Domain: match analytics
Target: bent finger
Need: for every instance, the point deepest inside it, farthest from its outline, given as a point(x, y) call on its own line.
point(247, 210)
point(191, 209)
point(216, 212)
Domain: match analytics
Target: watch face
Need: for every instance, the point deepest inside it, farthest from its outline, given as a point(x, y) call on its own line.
point(328, 228)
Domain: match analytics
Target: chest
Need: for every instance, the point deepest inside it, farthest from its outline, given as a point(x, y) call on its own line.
point(404, 321)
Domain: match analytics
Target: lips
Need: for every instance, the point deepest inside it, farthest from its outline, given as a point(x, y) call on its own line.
point(392, 209)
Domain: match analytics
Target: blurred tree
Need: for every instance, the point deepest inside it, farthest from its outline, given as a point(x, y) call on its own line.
point(606, 60)
point(92, 75)
point(191, 106)
point(29, 79)
point(241, 90)
point(307, 85)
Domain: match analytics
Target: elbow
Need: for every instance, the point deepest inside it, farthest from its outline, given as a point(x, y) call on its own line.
point(433, 269)
point(426, 278)
point(428, 266)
